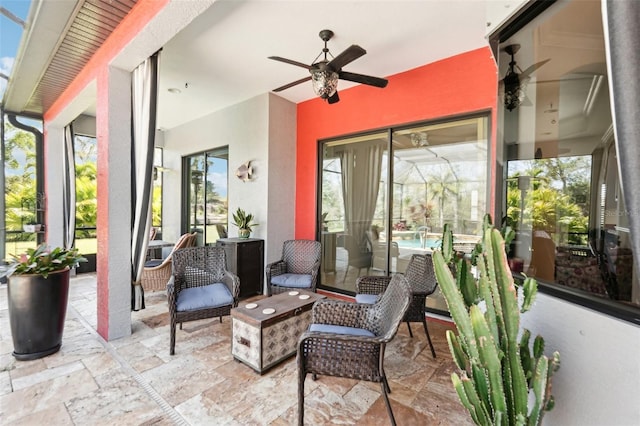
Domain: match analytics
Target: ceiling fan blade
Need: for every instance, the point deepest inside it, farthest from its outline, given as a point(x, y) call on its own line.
point(350, 54)
point(286, 86)
point(290, 61)
point(533, 67)
point(364, 79)
point(333, 99)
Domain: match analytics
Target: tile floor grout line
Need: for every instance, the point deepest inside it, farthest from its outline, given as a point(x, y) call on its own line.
point(164, 405)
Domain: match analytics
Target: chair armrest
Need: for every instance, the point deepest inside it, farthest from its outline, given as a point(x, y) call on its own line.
point(372, 284)
point(232, 281)
point(276, 268)
point(339, 312)
point(171, 294)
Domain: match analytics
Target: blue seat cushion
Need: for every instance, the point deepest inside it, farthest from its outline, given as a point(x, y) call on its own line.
point(208, 296)
point(152, 263)
point(340, 329)
point(292, 280)
point(367, 298)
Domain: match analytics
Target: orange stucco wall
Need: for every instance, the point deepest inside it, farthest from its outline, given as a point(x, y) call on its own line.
point(461, 84)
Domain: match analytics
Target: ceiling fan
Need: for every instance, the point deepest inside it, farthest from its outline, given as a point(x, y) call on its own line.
point(325, 73)
point(514, 83)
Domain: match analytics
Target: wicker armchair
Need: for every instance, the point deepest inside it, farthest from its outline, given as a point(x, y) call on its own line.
point(298, 267)
point(349, 339)
point(156, 273)
point(200, 287)
point(421, 277)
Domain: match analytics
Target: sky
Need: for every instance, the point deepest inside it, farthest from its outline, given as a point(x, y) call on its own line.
point(10, 34)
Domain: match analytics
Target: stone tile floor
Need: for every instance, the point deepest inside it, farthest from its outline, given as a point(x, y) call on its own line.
point(134, 381)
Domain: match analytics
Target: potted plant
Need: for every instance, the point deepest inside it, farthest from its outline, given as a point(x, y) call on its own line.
point(242, 220)
point(501, 380)
point(38, 290)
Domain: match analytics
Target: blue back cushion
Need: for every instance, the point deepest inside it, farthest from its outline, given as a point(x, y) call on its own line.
point(367, 298)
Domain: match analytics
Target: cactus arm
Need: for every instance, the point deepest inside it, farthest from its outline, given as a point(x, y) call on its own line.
point(538, 347)
point(525, 355)
point(485, 294)
point(481, 385)
point(447, 244)
point(509, 301)
point(466, 282)
point(469, 398)
point(530, 289)
point(455, 303)
point(490, 359)
point(457, 352)
point(539, 386)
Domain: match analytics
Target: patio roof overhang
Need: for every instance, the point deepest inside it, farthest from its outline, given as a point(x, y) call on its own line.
point(59, 39)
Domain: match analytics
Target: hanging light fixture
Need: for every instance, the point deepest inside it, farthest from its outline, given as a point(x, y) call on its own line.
point(515, 85)
point(419, 139)
point(513, 90)
point(325, 82)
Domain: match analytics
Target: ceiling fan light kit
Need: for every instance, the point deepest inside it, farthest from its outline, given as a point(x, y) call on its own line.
point(325, 83)
point(513, 91)
point(515, 84)
point(326, 73)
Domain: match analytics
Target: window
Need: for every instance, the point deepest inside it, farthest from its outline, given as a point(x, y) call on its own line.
point(562, 192)
point(85, 148)
point(378, 209)
point(23, 203)
point(205, 207)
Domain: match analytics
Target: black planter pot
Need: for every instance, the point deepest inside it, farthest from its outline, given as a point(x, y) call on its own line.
point(37, 309)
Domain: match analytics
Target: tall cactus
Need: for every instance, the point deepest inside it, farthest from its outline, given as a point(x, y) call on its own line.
point(498, 371)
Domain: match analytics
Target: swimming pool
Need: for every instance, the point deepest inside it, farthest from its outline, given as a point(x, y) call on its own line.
point(429, 243)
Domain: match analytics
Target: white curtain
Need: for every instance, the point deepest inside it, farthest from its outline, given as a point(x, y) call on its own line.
point(144, 88)
point(622, 42)
point(361, 166)
point(68, 188)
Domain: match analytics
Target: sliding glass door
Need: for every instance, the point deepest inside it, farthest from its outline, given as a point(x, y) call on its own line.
point(353, 203)
point(205, 186)
point(377, 210)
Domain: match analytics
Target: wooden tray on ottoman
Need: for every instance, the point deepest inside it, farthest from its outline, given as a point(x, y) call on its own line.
point(263, 340)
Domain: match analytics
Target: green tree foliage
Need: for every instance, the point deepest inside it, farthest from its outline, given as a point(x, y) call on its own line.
point(558, 197)
point(20, 185)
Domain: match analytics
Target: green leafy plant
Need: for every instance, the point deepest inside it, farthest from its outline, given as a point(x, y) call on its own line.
point(43, 261)
point(243, 220)
point(501, 381)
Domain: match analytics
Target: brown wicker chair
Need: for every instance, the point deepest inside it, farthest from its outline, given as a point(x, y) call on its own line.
point(156, 272)
point(200, 287)
point(298, 267)
point(349, 339)
point(421, 277)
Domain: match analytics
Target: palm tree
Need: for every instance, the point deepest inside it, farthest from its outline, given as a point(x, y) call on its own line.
point(440, 187)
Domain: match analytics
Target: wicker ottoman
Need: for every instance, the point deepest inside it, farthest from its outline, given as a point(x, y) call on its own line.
point(263, 340)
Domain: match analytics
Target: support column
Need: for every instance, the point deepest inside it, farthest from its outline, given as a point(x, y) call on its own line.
point(113, 125)
point(53, 141)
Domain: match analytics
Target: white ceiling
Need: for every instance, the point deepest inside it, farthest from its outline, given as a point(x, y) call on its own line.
point(221, 57)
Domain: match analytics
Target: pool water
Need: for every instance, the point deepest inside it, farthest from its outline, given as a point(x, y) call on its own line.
point(430, 243)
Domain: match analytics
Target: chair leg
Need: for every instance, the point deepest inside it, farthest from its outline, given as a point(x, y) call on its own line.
point(386, 400)
point(172, 339)
point(426, 330)
point(386, 383)
point(180, 326)
point(301, 377)
point(409, 327)
point(220, 319)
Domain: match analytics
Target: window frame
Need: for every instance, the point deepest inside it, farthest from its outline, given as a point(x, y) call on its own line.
point(622, 311)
